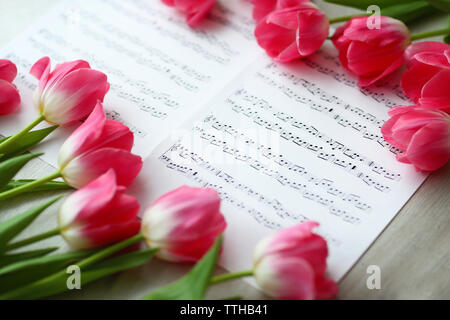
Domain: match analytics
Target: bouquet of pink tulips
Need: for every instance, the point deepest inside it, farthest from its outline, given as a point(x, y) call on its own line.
point(98, 219)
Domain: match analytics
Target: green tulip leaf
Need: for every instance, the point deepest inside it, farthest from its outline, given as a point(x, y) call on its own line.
point(443, 5)
point(8, 259)
point(405, 10)
point(193, 285)
point(10, 167)
point(363, 4)
point(408, 12)
point(27, 271)
point(12, 227)
point(117, 264)
point(447, 38)
point(48, 186)
point(26, 142)
point(57, 282)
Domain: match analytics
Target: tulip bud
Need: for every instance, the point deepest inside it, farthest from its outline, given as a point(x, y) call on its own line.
point(69, 93)
point(98, 214)
point(371, 54)
point(293, 33)
point(95, 147)
point(422, 134)
point(183, 223)
point(291, 264)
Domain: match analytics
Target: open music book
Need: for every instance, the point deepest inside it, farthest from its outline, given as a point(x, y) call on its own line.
point(281, 143)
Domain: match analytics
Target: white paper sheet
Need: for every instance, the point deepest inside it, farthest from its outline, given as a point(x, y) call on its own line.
point(281, 143)
point(160, 70)
point(286, 144)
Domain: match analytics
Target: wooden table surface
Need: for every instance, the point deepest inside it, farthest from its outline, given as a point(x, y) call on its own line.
point(413, 252)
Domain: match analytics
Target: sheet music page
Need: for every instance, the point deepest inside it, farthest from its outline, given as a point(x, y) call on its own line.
point(285, 144)
point(160, 70)
point(282, 144)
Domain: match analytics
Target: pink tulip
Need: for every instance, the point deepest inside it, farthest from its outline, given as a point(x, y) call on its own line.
point(372, 54)
point(95, 147)
point(98, 214)
point(183, 223)
point(291, 265)
point(263, 7)
point(68, 93)
point(195, 10)
point(9, 95)
point(293, 33)
point(427, 79)
point(422, 134)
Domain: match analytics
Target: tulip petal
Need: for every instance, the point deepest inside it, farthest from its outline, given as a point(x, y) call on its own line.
point(287, 18)
point(195, 10)
point(9, 97)
point(8, 70)
point(391, 31)
point(84, 137)
point(193, 237)
point(369, 60)
point(275, 39)
point(288, 54)
point(424, 46)
point(286, 278)
point(313, 30)
point(429, 149)
point(40, 67)
point(63, 69)
point(415, 78)
point(110, 233)
point(436, 93)
point(433, 59)
point(74, 237)
point(196, 16)
point(325, 289)
point(299, 241)
point(262, 8)
point(386, 131)
point(85, 202)
point(41, 71)
point(87, 167)
point(115, 135)
point(368, 81)
point(74, 97)
point(96, 133)
point(406, 125)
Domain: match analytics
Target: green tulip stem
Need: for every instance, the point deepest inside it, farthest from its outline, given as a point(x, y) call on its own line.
point(346, 18)
point(429, 34)
point(22, 132)
point(29, 186)
point(231, 276)
point(33, 239)
point(110, 250)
